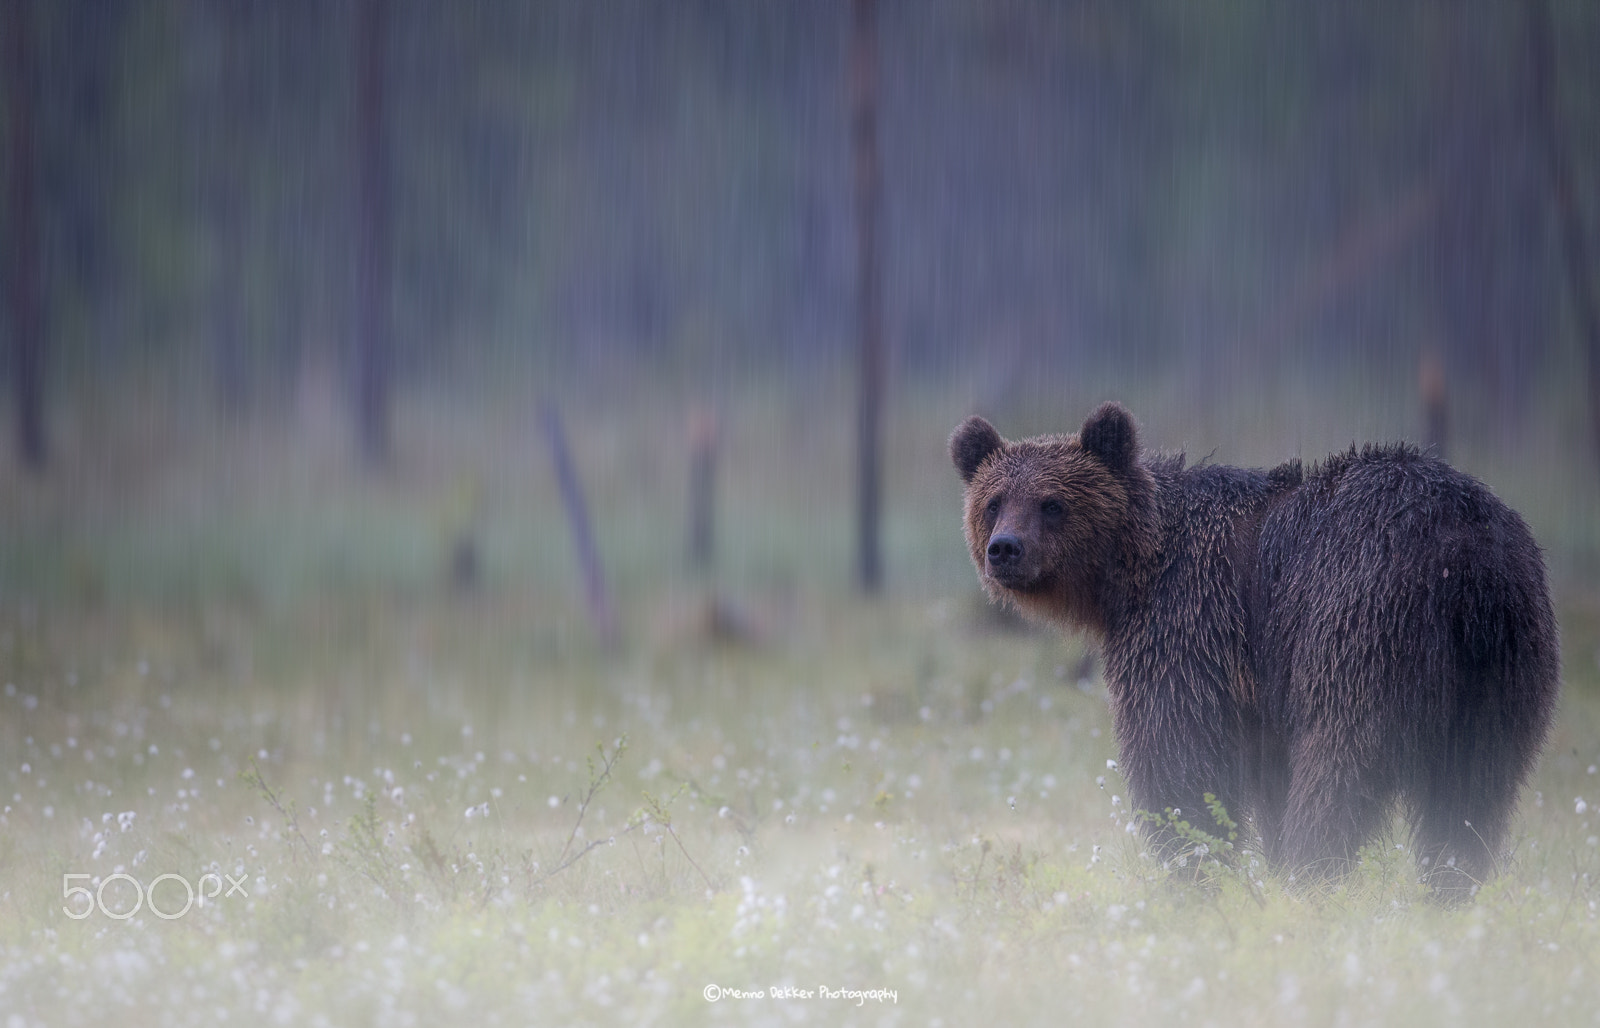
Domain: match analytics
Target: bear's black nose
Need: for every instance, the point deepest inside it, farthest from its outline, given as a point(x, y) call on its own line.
point(1004, 549)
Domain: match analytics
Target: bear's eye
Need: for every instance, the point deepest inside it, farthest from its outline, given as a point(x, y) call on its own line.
point(994, 507)
point(1051, 508)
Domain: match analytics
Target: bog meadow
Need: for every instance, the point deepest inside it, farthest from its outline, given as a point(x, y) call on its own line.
point(441, 444)
point(427, 801)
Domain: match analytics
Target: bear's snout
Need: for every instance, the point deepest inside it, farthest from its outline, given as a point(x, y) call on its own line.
point(1004, 550)
point(1010, 564)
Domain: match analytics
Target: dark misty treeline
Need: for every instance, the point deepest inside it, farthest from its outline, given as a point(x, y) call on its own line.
point(1188, 188)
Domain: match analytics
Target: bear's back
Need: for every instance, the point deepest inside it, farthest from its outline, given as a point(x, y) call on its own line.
point(1387, 567)
point(1387, 511)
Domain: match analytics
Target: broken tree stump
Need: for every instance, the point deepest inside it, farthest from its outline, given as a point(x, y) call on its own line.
point(601, 614)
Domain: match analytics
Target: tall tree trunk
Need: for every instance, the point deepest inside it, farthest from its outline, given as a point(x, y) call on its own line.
point(869, 188)
point(373, 355)
point(1574, 245)
point(227, 169)
point(23, 286)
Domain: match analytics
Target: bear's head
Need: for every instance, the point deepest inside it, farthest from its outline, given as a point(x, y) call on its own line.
point(1049, 520)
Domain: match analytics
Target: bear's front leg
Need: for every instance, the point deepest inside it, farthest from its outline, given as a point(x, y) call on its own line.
point(1339, 797)
point(1170, 770)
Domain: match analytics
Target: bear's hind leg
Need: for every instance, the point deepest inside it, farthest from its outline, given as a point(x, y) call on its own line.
point(1464, 786)
point(1458, 844)
point(1463, 804)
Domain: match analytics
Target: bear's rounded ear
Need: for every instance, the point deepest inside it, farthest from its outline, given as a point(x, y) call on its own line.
point(1110, 435)
point(971, 444)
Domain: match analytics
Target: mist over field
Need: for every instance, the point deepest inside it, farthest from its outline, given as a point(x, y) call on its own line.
point(478, 542)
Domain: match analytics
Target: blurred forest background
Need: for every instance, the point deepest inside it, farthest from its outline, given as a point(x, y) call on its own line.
point(1271, 226)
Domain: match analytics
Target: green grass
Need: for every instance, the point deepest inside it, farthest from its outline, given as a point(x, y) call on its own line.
point(266, 669)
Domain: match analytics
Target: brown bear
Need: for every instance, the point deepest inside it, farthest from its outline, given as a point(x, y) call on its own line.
point(1308, 646)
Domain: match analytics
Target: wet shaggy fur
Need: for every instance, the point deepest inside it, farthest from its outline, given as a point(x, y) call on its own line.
point(1311, 646)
